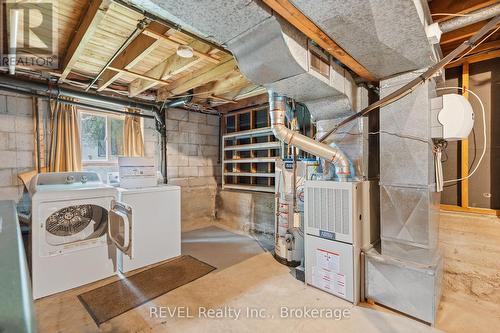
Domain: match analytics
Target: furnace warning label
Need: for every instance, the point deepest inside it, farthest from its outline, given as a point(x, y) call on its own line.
point(326, 274)
point(327, 260)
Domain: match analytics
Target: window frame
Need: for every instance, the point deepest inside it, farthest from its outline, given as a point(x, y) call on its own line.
point(109, 158)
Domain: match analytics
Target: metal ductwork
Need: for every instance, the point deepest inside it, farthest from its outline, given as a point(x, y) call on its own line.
point(471, 18)
point(387, 37)
point(277, 110)
point(273, 53)
point(279, 57)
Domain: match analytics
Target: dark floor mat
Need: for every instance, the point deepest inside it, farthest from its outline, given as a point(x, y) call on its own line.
point(113, 299)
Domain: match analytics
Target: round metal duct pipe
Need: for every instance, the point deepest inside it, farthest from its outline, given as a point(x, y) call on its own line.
point(277, 109)
point(471, 18)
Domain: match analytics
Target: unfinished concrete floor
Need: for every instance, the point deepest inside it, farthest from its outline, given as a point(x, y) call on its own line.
point(247, 278)
point(471, 279)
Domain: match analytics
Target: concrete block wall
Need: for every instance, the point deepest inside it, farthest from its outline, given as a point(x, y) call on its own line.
point(251, 212)
point(192, 163)
point(151, 137)
point(16, 142)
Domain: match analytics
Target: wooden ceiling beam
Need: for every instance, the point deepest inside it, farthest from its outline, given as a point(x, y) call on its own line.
point(491, 43)
point(91, 17)
point(244, 103)
point(139, 48)
point(206, 74)
point(296, 18)
point(475, 58)
point(139, 76)
point(172, 43)
point(232, 82)
point(167, 68)
point(250, 91)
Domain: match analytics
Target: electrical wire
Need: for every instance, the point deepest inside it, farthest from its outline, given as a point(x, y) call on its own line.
point(484, 134)
point(450, 14)
point(472, 48)
point(416, 138)
point(475, 145)
point(473, 158)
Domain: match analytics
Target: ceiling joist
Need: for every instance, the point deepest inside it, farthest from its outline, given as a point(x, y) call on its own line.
point(167, 68)
point(173, 43)
point(94, 14)
point(138, 49)
point(206, 74)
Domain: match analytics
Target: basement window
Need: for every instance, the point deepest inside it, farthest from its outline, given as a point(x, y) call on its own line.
point(101, 136)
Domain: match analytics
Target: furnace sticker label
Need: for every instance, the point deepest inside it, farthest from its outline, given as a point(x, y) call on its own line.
point(327, 260)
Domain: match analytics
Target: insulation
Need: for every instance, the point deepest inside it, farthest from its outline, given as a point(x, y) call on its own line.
point(218, 20)
point(386, 36)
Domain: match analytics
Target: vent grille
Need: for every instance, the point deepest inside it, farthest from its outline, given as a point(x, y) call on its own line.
point(329, 209)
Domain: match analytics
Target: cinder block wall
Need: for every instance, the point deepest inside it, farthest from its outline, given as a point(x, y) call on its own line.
point(17, 144)
point(193, 163)
point(252, 212)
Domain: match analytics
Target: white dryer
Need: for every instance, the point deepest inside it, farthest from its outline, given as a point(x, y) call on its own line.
point(77, 226)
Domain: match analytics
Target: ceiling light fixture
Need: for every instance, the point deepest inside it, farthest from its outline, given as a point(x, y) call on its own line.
point(185, 51)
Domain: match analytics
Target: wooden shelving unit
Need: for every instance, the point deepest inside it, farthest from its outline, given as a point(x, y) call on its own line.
point(249, 150)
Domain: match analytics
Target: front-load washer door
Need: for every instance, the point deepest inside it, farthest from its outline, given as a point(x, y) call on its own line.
point(120, 227)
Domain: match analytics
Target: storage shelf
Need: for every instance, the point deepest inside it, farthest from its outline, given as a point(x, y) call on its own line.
point(250, 187)
point(253, 133)
point(255, 146)
point(252, 160)
point(249, 174)
point(249, 151)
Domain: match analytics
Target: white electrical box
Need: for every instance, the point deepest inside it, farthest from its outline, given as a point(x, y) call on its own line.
point(337, 225)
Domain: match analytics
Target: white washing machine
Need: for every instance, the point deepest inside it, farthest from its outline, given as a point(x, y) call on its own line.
point(157, 225)
point(77, 226)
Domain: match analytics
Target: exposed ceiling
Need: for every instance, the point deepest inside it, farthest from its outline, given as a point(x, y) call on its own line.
point(100, 38)
point(443, 10)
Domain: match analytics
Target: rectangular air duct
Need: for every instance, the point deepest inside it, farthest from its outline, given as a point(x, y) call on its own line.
point(406, 274)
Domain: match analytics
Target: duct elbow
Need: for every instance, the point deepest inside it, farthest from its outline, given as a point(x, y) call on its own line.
point(332, 154)
point(282, 133)
point(342, 165)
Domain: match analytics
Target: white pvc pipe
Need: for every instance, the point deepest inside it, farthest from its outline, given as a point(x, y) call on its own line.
point(14, 22)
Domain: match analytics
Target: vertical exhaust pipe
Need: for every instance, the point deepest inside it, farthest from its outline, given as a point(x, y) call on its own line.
point(277, 109)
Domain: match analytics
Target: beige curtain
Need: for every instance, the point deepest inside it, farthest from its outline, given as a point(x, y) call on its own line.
point(65, 138)
point(133, 143)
